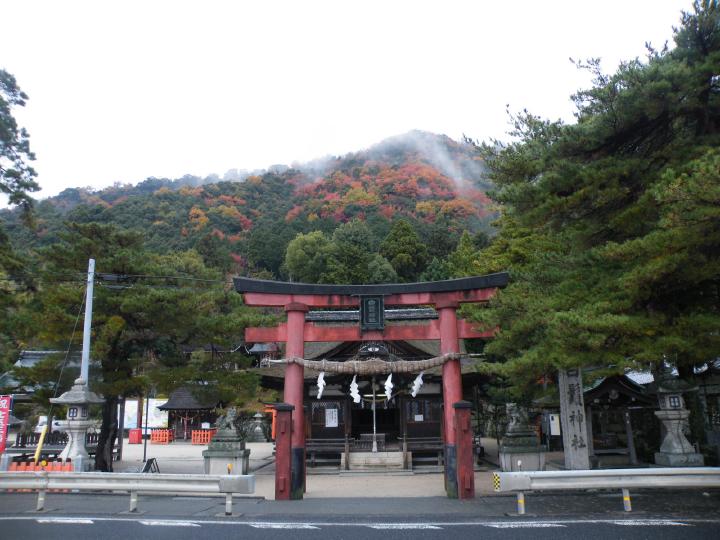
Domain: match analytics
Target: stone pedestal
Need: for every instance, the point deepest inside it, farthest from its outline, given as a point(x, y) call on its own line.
point(520, 448)
point(217, 461)
point(77, 400)
point(227, 448)
point(675, 450)
point(75, 449)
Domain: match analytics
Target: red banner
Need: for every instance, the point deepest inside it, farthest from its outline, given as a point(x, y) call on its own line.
point(5, 406)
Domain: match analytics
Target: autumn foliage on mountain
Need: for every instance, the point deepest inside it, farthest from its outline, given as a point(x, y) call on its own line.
point(242, 223)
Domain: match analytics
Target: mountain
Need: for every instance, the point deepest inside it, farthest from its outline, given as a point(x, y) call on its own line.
point(243, 222)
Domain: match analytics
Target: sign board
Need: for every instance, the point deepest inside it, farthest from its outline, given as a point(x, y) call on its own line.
point(419, 417)
point(372, 313)
point(5, 407)
point(554, 424)
point(331, 418)
point(156, 417)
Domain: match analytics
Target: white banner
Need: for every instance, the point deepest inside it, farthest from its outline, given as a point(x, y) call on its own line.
point(156, 417)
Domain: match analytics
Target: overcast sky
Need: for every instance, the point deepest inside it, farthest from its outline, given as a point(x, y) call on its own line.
point(120, 91)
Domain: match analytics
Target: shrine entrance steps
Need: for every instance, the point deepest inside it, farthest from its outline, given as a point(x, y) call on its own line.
point(373, 461)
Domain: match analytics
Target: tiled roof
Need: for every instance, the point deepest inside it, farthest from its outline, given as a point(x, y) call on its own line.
point(183, 399)
point(31, 358)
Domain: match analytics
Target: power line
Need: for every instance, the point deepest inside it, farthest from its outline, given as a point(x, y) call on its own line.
point(107, 277)
point(119, 277)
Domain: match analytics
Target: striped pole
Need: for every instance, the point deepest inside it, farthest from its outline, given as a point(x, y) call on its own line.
point(627, 503)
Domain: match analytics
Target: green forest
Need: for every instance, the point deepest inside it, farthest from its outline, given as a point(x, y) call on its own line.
point(609, 227)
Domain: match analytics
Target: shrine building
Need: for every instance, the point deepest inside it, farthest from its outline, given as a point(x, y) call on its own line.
point(372, 373)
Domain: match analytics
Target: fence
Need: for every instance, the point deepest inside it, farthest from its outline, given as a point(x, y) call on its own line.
point(134, 483)
point(202, 436)
point(623, 479)
point(26, 444)
point(162, 436)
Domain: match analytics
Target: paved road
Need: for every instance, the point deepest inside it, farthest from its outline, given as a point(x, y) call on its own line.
point(114, 528)
point(659, 515)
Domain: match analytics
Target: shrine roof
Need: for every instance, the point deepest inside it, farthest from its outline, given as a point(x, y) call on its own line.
point(28, 359)
point(182, 399)
point(618, 390)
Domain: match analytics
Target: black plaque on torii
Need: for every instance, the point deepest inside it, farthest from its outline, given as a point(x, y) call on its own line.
point(372, 312)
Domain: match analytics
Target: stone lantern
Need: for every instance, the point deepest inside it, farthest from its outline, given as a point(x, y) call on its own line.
point(78, 400)
point(258, 429)
point(520, 448)
point(675, 450)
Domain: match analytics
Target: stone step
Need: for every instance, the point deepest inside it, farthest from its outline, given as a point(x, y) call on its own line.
point(375, 460)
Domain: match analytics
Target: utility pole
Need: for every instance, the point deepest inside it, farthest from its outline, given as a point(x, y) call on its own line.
point(85, 365)
point(79, 398)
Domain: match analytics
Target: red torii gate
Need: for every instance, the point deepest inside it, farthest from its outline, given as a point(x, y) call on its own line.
point(298, 298)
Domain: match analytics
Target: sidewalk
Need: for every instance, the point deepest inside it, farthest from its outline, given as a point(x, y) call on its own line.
point(182, 457)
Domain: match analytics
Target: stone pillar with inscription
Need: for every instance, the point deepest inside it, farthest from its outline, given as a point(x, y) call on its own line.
point(572, 419)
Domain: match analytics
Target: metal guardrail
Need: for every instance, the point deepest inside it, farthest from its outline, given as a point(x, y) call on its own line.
point(623, 479)
point(131, 482)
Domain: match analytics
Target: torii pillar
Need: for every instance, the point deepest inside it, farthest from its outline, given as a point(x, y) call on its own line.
point(293, 394)
point(452, 390)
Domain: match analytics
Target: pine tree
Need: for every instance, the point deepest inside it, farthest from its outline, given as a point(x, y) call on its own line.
point(17, 177)
point(610, 225)
point(148, 310)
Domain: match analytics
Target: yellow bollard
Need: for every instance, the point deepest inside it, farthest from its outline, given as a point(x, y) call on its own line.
point(521, 503)
point(40, 444)
point(228, 496)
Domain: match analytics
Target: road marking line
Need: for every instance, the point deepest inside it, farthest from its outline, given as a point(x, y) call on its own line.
point(649, 523)
point(67, 520)
point(161, 523)
point(530, 525)
point(404, 526)
point(282, 526)
point(686, 522)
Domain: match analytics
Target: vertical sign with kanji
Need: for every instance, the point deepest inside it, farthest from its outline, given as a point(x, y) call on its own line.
point(5, 406)
point(572, 419)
